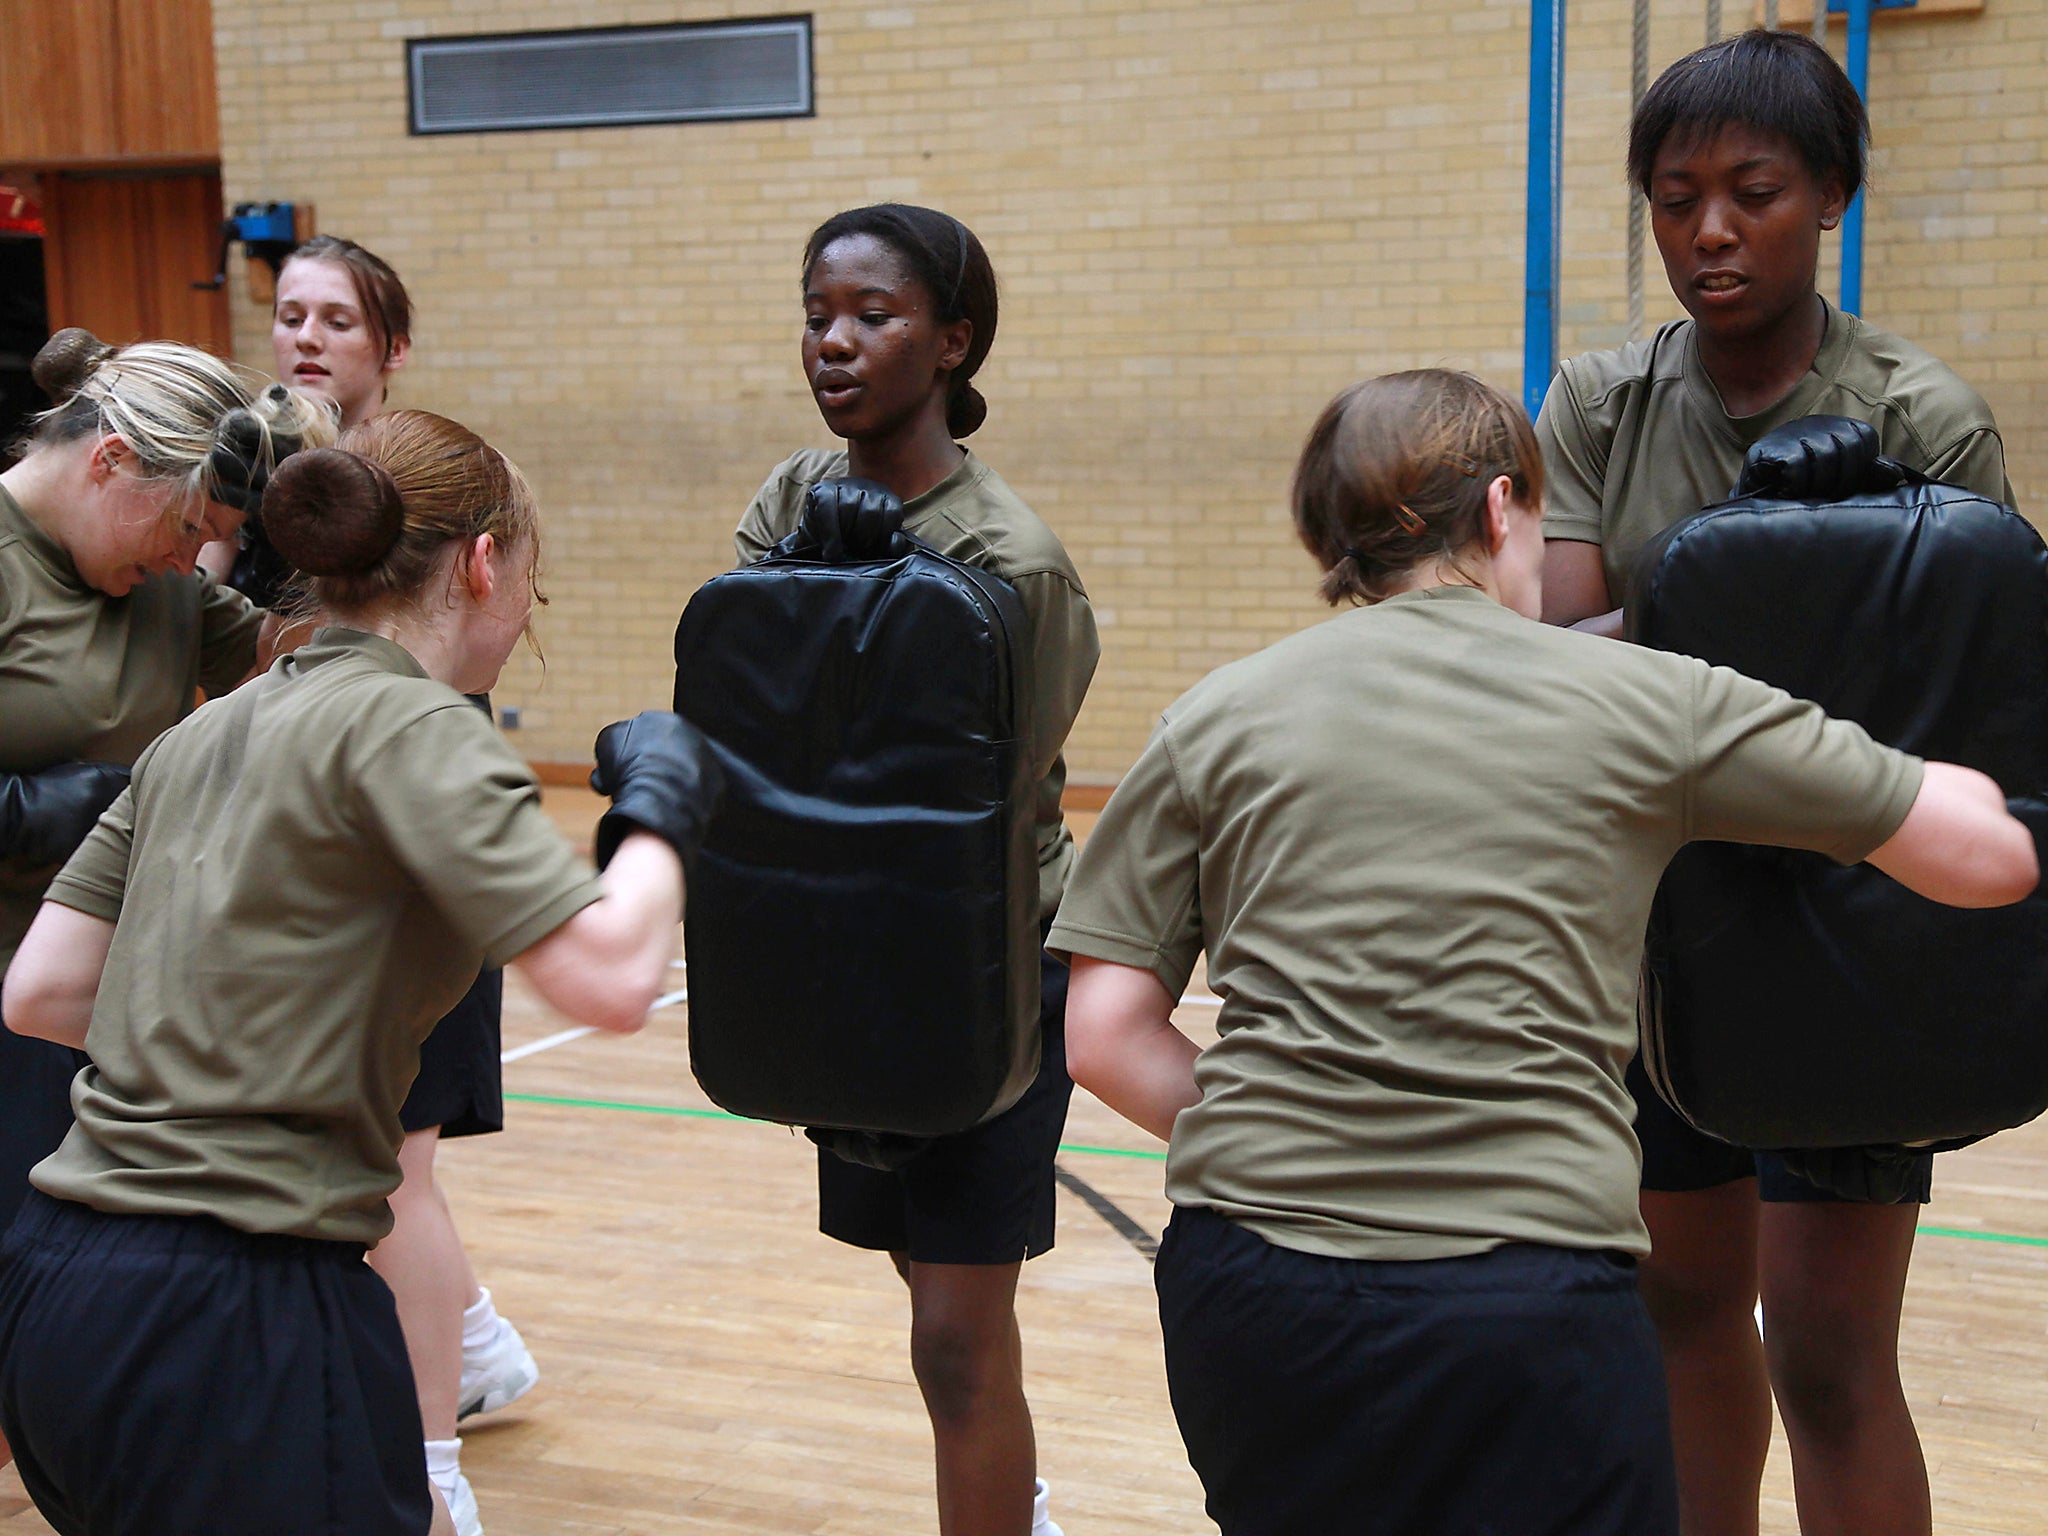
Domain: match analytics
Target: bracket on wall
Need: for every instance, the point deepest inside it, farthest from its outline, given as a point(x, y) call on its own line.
point(268, 232)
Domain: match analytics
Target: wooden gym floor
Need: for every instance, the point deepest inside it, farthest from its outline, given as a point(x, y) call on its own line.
point(710, 1364)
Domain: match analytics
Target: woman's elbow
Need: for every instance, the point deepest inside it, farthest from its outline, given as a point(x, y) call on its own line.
point(2013, 870)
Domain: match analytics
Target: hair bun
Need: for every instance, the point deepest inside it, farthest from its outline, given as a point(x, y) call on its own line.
point(331, 512)
point(67, 360)
point(965, 411)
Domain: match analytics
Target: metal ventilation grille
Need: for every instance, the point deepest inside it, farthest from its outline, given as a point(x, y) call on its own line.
point(614, 76)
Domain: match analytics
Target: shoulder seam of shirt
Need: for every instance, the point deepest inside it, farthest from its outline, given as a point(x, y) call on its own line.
point(399, 730)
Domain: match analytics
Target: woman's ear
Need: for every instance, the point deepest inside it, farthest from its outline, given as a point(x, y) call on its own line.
point(1833, 203)
point(108, 455)
point(478, 569)
point(396, 353)
point(954, 340)
point(1500, 495)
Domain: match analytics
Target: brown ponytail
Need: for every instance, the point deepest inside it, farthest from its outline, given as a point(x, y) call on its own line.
point(1395, 471)
point(367, 521)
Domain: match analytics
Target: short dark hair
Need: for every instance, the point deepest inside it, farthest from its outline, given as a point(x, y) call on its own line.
point(1781, 82)
point(943, 254)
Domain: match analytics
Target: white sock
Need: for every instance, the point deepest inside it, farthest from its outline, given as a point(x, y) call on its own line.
point(479, 1320)
point(444, 1464)
point(1041, 1522)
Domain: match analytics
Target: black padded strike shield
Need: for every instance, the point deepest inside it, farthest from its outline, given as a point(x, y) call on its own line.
point(1794, 1003)
point(862, 924)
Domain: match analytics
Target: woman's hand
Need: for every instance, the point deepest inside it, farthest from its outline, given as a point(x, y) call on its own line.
point(1122, 1045)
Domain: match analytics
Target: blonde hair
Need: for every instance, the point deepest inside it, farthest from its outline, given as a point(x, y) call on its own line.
point(365, 522)
point(176, 407)
point(1395, 473)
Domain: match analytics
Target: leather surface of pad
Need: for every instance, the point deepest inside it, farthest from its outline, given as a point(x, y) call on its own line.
point(1792, 1002)
point(862, 925)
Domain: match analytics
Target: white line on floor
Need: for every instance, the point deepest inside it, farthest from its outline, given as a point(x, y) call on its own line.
point(1200, 1000)
point(535, 1047)
point(563, 1037)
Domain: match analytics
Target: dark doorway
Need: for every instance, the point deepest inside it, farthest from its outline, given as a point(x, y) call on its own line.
point(24, 317)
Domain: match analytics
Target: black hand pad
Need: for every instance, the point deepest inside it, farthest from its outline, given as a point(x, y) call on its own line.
point(45, 816)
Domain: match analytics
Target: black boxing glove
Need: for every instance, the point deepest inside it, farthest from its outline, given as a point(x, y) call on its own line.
point(851, 519)
point(662, 776)
point(1817, 458)
point(259, 573)
point(45, 816)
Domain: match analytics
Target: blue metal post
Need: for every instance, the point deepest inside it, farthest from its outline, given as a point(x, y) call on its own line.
point(1546, 163)
point(1858, 14)
point(1852, 221)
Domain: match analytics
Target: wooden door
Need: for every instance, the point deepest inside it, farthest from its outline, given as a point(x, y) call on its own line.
point(123, 251)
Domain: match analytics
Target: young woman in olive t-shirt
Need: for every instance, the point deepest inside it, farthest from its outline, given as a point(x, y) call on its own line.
point(341, 327)
point(900, 311)
point(105, 630)
point(252, 945)
point(1748, 151)
point(1418, 843)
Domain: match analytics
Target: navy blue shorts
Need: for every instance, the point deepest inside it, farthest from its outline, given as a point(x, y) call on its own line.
point(1517, 1392)
point(984, 1196)
point(35, 1110)
point(169, 1376)
point(1678, 1160)
point(461, 1082)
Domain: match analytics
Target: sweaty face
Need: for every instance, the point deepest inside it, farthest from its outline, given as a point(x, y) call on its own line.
point(323, 342)
point(138, 529)
point(1738, 220)
point(874, 351)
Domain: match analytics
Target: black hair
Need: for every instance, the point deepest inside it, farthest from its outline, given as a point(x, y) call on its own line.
point(943, 254)
point(1780, 82)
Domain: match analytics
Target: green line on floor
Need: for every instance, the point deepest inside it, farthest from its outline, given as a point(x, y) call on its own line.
point(721, 1114)
point(1985, 1237)
point(1967, 1234)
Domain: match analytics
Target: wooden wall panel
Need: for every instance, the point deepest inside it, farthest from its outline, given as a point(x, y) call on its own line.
point(123, 252)
point(106, 82)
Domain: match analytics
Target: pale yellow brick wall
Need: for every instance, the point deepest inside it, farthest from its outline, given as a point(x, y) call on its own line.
point(1207, 217)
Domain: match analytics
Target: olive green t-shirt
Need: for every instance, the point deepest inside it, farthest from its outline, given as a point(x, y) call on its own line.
point(87, 677)
point(973, 516)
point(1419, 843)
point(304, 877)
point(1637, 438)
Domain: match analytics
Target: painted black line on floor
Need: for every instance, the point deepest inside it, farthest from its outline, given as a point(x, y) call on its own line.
point(1118, 1219)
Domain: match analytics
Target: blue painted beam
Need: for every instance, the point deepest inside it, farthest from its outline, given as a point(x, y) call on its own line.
point(1858, 14)
point(1546, 164)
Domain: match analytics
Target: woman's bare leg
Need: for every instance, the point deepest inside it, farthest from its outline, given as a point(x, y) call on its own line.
point(430, 1279)
point(1834, 1281)
point(1700, 1284)
point(969, 1362)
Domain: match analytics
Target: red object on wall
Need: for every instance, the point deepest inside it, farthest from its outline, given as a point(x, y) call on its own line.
point(20, 213)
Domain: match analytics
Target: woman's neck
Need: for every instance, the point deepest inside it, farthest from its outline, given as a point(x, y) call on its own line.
point(910, 460)
point(1754, 373)
point(438, 652)
point(1446, 573)
point(46, 485)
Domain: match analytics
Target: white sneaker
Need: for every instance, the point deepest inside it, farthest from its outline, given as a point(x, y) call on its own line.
point(499, 1371)
point(462, 1506)
point(1041, 1522)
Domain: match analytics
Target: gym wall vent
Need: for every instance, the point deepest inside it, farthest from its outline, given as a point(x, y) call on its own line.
point(611, 76)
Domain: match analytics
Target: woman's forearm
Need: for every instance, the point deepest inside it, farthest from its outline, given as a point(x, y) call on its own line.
point(606, 965)
point(1122, 1045)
